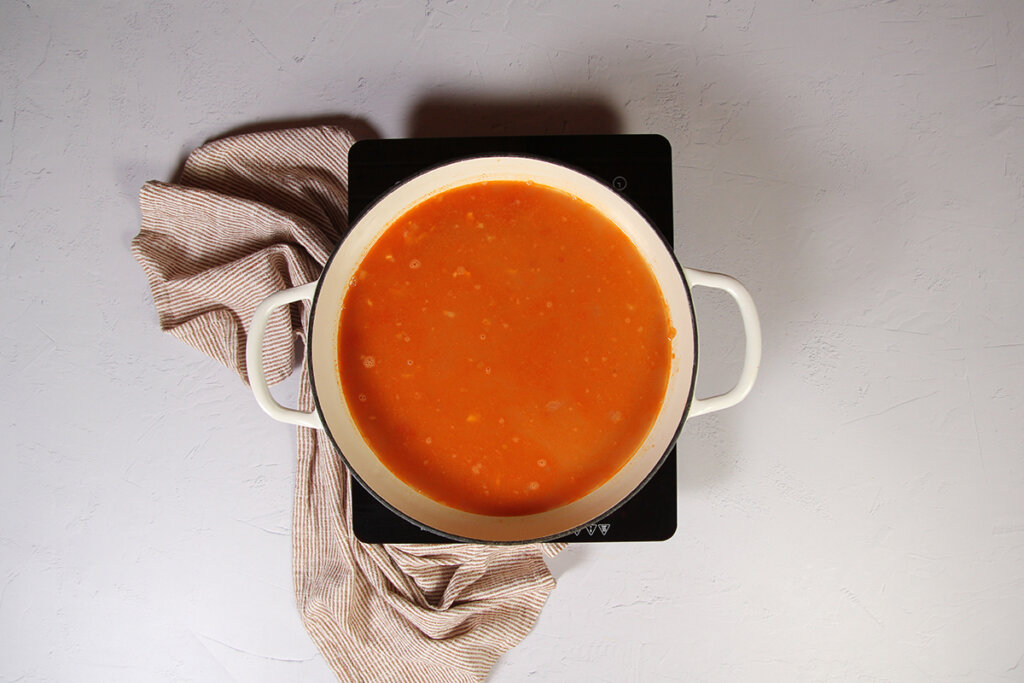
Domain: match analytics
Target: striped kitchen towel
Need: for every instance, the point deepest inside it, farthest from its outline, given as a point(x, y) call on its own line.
point(256, 213)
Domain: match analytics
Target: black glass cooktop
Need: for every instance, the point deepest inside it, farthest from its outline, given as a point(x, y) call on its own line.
point(639, 167)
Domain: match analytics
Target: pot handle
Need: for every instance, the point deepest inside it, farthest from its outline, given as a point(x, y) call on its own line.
point(254, 357)
point(752, 328)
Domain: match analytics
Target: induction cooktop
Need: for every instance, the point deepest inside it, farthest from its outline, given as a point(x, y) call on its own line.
point(638, 167)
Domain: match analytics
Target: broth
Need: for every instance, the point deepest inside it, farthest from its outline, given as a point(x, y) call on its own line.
point(504, 348)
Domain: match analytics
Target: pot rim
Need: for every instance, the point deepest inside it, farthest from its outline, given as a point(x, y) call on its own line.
point(340, 248)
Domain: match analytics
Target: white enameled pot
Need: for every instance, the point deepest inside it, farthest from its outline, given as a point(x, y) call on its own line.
point(332, 414)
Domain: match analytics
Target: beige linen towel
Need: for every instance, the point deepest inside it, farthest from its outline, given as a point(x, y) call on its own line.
point(257, 213)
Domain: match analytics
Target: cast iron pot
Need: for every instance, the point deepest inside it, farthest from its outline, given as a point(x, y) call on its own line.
point(332, 414)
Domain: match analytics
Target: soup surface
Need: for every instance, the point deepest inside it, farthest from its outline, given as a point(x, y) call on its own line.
point(504, 348)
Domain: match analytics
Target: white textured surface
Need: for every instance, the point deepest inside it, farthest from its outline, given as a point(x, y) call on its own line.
point(858, 165)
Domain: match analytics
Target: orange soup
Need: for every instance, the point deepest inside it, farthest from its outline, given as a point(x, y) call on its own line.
point(504, 348)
